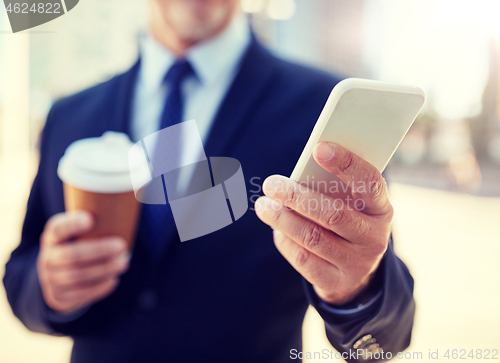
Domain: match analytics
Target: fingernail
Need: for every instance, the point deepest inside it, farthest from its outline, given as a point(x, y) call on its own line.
point(119, 244)
point(271, 185)
point(124, 259)
point(324, 151)
point(262, 203)
point(128, 256)
point(266, 203)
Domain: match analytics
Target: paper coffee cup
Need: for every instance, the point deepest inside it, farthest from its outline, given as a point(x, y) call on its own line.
point(96, 178)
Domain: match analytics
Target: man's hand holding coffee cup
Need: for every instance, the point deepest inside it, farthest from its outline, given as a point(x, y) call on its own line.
point(336, 246)
point(77, 273)
point(85, 250)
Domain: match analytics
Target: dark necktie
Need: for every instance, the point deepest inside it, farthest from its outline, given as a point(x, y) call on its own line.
point(157, 224)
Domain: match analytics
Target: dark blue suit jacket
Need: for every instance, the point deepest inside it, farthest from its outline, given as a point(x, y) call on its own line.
point(225, 297)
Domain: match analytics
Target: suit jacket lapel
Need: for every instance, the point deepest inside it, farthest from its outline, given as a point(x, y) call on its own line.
point(247, 89)
point(125, 87)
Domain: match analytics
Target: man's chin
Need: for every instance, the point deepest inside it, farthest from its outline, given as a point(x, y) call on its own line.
point(195, 30)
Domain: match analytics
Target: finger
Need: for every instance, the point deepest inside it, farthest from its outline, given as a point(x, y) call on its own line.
point(64, 226)
point(365, 180)
point(304, 232)
point(85, 252)
point(82, 276)
point(313, 268)
point(333, 214)
point(82, 296)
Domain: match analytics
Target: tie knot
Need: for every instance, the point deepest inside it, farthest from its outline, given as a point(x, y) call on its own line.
point(178, 72)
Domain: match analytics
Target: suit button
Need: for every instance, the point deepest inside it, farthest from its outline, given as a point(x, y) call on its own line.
point(148, 300)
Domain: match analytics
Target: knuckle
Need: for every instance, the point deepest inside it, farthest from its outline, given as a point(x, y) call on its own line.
point(53, 258)
point(48, 279)
point(60, 278)
point(101, 249)
point(44, 239)
point(70, 255)
point(348, 163)
point(52, 228)
point(362, 231)
point(390, 213)
point(326, 277)
point(377, 186)
point(336, 216)
point(302, 257)
point(44, 279)
point(276, 215)
point(312, 236)
point(325, 210)
point(42, 260)
point(78, 275)
point(58, 229)
point(108, 248)
point(57, 225)
point(69, 277)
point(56, 279)
point(293, 194)
point(52, 222)
point(347, 255)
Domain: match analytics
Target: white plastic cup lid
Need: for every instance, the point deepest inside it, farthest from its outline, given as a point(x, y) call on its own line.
point(98, 164)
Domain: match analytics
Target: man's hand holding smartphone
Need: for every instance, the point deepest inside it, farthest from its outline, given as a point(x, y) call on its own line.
point(337, 247)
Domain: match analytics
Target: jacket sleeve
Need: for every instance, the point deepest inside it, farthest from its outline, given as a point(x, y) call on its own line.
point(21, 279)
point(379, 330)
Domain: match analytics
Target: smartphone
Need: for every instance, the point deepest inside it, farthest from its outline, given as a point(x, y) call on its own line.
point(370, 118)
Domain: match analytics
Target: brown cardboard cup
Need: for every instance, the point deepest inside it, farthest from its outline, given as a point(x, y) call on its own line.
point(96, 178)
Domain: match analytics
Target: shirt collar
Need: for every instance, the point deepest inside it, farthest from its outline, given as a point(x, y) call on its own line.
point(211, 59)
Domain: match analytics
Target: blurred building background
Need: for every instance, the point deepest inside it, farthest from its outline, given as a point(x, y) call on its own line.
point(449, 48)
point(445, 176)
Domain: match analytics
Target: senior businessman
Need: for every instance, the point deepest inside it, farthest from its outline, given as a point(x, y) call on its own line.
point(238, 294)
